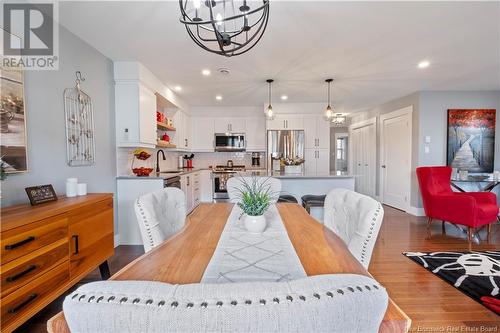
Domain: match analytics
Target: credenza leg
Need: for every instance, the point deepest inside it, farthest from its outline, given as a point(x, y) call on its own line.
point(104, 270)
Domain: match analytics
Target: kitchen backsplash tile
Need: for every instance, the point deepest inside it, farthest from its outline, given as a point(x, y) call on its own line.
point(124, 157)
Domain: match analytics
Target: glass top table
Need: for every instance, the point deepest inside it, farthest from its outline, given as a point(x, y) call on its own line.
point(484, 182)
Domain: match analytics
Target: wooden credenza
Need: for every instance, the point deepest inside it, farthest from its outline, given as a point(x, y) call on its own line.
point(46, 249)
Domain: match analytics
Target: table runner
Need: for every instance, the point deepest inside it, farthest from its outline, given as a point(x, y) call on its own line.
point(241, 256)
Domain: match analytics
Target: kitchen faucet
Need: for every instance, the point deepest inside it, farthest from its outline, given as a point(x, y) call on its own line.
point(158, 159)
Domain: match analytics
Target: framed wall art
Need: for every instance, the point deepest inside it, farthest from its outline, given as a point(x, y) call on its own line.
point(471, 139)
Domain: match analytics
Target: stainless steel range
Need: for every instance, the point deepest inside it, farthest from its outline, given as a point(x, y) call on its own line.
point(220, 175)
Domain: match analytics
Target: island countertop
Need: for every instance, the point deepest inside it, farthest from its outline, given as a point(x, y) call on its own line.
point(302, 175)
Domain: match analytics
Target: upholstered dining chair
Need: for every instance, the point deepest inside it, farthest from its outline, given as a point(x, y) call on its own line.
point(235, 184)
point(160, 215)
point(336, 303)
point(471, 209)
point(356, 218)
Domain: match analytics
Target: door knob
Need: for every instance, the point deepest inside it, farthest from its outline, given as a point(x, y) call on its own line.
point(383, 166)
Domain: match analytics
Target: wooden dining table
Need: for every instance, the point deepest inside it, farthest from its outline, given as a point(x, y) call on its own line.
point(183, 258)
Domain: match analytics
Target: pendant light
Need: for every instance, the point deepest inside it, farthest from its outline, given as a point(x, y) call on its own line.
point(328, 111)
point(269, 110)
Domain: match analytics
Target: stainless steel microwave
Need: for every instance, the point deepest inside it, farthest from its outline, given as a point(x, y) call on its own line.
point(230, 142)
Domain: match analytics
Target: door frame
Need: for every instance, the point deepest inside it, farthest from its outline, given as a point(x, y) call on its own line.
point(335, 137)
point(408, 112)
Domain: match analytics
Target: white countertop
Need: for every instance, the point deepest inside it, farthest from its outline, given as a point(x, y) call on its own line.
point(164, 174)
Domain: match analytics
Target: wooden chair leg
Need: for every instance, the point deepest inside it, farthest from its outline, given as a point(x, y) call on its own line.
point(429, 221)
point(469, 237)
point(489, 233)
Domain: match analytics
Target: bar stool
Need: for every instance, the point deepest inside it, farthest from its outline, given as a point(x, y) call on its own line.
point(310, 200)
point(287, 198)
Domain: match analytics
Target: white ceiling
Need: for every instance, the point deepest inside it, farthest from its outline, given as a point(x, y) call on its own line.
point(371, 49)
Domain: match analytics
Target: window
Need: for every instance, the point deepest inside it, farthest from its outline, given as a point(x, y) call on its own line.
point(341, 148)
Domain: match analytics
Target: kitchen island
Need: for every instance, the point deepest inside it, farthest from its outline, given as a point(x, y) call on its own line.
point(300, 184)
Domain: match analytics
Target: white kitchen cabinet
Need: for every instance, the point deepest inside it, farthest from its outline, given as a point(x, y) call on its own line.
point(317, 132)
point(256, 134)
point(206, 190)
point(317, 161)
point(229, 125)
point(135, 115)
point(191, 186)
point(286, 122)
point(202, 134)
point(182, 136)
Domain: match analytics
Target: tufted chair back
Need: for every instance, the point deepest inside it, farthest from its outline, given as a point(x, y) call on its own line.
point(234, 184)
point(356, 218)
point(160, 215)
point(336, 303)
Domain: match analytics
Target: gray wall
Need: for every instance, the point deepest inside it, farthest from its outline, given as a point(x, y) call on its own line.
point(46, 125)
point(430, 119)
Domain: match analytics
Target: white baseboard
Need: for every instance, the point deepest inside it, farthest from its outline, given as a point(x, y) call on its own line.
point(416, 211)
point(117, 240)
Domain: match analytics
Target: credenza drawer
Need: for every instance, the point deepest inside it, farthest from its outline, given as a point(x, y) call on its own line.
point(28, 238)
point(30, 297)
point(21, 271)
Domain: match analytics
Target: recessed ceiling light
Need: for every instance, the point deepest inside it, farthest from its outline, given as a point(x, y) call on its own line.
point(218, 97)
point(424, 64)
point(205, 72)
point(284, 97)
point(178, 88)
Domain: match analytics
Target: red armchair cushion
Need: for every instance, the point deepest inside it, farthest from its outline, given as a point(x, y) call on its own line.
point(472, 209)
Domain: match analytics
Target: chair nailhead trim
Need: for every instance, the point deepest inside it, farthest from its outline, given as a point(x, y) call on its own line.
point(219, 304)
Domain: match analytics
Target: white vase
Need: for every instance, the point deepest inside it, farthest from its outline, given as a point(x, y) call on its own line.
point(255, 224)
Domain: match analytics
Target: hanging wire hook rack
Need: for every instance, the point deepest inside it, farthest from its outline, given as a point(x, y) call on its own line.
point(79, 119)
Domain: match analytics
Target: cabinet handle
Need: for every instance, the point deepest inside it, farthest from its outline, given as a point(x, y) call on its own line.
point(185, 142)
point(187, 180)
point(20, 243)
point(75, 238)
point(23, 303)
point(19, 275)
point(383, 166)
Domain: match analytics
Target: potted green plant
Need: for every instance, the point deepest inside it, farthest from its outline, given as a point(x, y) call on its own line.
point(254, 198)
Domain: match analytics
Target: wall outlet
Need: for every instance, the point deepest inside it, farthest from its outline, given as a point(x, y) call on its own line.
point(426, 149)
point(427, 139)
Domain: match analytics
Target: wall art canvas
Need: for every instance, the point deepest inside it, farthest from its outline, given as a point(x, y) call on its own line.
point(13, 142)
point(471, 139)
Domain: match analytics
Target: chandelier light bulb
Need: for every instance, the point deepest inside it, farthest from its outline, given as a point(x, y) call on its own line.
point(218, 18)
point(197, 4)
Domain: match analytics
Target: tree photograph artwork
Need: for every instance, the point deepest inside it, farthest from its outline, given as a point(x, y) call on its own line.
point(471, 139)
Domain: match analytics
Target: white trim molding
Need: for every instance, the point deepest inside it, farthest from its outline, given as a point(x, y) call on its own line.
point(117, 240)
point(416, 211)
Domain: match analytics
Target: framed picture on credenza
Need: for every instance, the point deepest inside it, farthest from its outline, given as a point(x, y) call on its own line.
point(471, 139)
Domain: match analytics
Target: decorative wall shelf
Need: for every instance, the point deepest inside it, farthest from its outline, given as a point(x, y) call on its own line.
point(164, 127)
point(165, 144)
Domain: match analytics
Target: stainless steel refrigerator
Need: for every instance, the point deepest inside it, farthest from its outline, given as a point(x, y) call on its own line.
point(284, 144)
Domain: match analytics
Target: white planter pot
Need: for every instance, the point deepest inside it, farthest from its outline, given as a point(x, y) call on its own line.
point(293, 168)
point(255, 224)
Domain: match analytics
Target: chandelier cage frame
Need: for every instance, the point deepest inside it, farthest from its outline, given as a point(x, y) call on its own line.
point(224, 39)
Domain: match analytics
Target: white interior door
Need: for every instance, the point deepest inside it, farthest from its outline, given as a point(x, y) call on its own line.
point(395, 158)
point(363, 155)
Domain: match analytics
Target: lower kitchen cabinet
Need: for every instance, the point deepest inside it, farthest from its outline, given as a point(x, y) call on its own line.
point(190, 185)
point(317, 161)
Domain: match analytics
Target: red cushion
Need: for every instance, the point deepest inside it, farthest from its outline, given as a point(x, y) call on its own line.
point(486, 211)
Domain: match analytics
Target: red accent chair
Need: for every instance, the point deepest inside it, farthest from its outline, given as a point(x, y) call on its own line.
point(471, 209)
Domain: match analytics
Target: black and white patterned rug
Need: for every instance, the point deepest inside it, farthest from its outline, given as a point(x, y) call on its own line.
point(475, 273)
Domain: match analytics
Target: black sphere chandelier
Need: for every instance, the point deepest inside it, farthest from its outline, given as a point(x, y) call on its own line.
point(225, 27)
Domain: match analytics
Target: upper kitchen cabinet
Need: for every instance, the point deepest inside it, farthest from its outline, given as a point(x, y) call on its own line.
point(286, 122)
point(317, 132)
point(230, 125)
point(182, 136)
point(256, 134)
point(203, 134)
point(135, 106)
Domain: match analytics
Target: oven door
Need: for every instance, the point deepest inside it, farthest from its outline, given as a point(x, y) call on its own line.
point(230, 142)
point(219, 185)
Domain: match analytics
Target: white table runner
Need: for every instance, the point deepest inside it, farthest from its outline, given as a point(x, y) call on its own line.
point(241, 256)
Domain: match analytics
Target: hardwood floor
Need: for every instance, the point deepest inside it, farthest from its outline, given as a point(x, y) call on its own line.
point(432, 304)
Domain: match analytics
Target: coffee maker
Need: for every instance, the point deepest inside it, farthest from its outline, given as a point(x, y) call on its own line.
point(255, 159)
